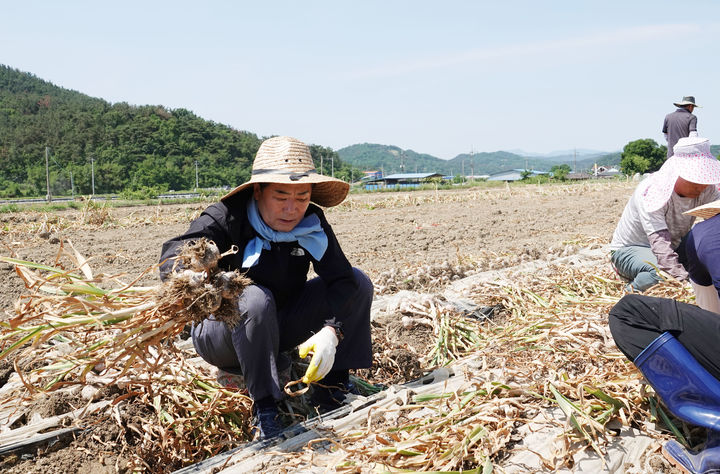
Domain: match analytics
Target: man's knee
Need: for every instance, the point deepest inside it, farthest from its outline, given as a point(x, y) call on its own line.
point(257, 302)
point(365, 289)
point(627, 304)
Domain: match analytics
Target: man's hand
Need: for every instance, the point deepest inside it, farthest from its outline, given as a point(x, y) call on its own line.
point(322, 345)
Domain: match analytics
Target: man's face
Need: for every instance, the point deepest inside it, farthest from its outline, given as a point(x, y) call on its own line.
point(689, 189)
point(282, 206)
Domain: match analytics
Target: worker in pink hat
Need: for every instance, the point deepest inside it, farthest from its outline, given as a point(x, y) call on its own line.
point(650, 233)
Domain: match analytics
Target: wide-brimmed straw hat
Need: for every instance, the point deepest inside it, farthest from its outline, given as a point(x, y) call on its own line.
point(287, 160)
point(706, 211)
point(691, 161)
point(687, 100)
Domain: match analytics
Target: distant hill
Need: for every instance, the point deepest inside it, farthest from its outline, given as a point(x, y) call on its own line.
point(392, 159)
point(150, 147)
point(130, 148)
point(578, 153)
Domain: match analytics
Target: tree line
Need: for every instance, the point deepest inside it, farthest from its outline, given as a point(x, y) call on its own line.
point(646, 156)
point(129, 148)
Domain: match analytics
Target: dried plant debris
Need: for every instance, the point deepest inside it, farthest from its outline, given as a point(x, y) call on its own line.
point(74, 329)
point(195, 294)
point(546, 346)
point(200, 255)
point(551, 349)
point(201, 288)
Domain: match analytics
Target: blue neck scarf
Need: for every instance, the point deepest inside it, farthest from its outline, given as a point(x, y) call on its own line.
point(308, 233)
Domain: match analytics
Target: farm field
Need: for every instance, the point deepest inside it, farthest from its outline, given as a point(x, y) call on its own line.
point(378, 232)
point(419, 242)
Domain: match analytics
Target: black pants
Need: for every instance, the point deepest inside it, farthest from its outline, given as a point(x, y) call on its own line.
point(254, 346)
point(637, 320)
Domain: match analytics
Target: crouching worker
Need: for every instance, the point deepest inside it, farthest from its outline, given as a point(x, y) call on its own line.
point(675, 347)
point(702, 249)
point(279, 232)
point(653, 223)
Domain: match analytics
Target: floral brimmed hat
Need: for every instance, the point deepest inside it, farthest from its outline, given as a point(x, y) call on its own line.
point(691, 161)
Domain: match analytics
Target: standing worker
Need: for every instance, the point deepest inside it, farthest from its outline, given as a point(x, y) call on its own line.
point(279, 230)
point(681, 123)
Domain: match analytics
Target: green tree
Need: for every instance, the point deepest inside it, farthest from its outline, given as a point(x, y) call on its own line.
point(631, 164)
point(560, 172)
point(642, 156)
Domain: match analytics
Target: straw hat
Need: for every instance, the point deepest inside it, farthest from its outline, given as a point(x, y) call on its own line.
point(687, 100)
point(691, 161)
point(706, 211)
point(288, 160)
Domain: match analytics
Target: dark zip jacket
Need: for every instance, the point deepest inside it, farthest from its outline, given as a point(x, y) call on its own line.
point(283, 269)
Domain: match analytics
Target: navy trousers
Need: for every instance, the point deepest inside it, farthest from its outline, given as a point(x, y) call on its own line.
point(254, 347)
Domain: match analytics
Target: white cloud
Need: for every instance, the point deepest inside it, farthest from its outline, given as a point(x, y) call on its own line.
point(623, 37)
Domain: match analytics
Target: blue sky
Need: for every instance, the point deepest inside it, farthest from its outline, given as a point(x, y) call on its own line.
point(435, 77)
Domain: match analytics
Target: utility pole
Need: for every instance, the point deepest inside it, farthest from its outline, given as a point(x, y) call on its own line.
point(92, 174)
point(196, 176)
point(575, 160)
point(332, 157)
point(472, 164)
point(72, 186)
point(321, 162)
point(47, 175)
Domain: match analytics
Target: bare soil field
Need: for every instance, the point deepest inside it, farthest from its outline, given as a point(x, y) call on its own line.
point(403, 240)
point(378, 232)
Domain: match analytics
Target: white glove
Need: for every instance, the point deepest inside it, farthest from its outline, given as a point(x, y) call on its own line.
point(322, 345)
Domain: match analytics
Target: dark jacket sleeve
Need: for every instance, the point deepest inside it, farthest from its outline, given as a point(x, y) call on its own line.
point(211, 224)
point(337, 274)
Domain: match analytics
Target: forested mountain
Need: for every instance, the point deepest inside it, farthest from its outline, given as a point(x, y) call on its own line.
point(392, 159)
point(130, 147)
point(151, 147)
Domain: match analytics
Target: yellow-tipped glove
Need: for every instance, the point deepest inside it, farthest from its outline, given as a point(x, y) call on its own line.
point(322, 345)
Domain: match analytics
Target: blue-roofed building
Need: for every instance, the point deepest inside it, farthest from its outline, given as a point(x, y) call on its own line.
point(401, 180)
point(514, 175)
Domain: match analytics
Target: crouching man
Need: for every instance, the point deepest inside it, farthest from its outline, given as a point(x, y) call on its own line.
point(279, 231)
point(675, 347)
